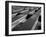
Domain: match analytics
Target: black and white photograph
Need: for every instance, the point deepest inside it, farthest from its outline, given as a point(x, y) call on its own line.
point(25, 18)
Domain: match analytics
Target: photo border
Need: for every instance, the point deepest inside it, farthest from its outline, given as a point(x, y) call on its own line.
point(7, 17)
